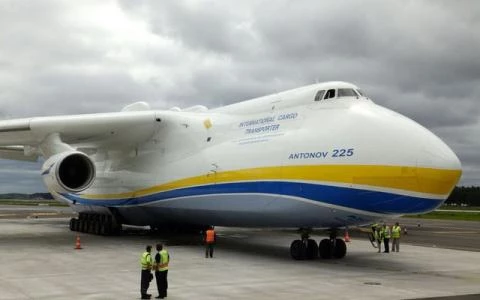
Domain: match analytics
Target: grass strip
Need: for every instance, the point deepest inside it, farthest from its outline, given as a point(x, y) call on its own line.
point(449, 215)
point(28, 202)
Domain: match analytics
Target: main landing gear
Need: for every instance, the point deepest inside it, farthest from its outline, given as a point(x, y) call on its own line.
point(307, 248)
point(100, 224)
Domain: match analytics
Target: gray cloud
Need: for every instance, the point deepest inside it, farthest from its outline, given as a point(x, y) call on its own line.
point(20, 177)
point(420, 58)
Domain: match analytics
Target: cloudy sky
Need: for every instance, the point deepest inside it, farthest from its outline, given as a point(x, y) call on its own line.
point(420, 58)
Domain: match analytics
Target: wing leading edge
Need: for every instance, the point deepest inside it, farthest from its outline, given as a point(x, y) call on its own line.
point(24, 139)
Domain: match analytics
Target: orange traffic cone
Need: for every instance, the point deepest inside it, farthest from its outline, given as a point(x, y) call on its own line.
point(346, 237)
point(77, 243)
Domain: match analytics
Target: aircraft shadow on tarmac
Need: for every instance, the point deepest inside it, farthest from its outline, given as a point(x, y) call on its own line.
point(275, 249)
point(269, 245)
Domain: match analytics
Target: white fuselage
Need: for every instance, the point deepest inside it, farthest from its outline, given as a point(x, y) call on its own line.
point(283, 160)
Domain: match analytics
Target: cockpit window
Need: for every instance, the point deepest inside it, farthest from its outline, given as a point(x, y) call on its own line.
point(360, 93)
point(347, 93)
point(319, 95)
point(330, 94)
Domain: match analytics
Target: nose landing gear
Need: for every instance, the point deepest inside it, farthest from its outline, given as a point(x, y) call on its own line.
point(307, 248)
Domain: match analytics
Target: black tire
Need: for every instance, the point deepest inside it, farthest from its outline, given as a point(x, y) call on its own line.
point(90, 226)
point(117, 229)
point(72, 224)
point(84, 226)
point(298, 250)
point(96, 227)
point(108, 228)
point(312, 249)
point(340, 249)
point(81, 225)
point(76, 224)
point(324, 249)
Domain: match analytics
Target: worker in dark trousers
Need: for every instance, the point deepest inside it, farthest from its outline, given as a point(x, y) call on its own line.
point(210, 238)
point(162, 258)
point(146, 263)
point(386, 237)
point(377, 236)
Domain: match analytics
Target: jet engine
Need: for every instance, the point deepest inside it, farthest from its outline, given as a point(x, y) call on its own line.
point(69, 172)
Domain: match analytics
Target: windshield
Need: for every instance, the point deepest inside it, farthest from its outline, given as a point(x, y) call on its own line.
point(347, 93)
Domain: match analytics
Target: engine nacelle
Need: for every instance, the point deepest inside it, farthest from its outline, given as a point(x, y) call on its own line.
point(68, 172)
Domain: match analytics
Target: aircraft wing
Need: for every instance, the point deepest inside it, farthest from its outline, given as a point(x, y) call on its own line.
point(21, 139)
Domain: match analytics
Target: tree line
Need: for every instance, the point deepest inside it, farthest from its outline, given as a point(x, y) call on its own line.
point(35, 196)
point(465, 195)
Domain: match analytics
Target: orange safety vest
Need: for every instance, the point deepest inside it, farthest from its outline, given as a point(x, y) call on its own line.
point(210, 238)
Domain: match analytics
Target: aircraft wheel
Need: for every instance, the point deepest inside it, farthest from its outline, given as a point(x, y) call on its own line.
point(85, 226)
point(82, 226)
point(96, 227)
point(298, 250)
point(76, 225)
point(324, 249)
point(312, 249)
point(117, 229)
point(340, 249)
point(108, 228)
point(89, 226)
point(92, 226)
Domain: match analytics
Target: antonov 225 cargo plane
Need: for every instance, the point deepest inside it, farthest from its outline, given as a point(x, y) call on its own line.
point(319, 156)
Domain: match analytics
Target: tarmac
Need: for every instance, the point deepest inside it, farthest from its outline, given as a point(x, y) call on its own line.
point(38, 261)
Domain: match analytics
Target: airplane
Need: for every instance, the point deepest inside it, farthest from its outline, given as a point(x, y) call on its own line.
point(320, 156)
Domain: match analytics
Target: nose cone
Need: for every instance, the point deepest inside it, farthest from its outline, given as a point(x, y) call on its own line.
point(437, 168)
point(436, 154)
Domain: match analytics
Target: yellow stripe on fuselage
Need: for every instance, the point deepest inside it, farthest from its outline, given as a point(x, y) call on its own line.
point(409, 179)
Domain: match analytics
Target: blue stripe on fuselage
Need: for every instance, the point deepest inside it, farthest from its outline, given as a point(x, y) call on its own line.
point(362, 199)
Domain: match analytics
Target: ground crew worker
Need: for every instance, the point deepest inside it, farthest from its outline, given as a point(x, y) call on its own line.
point(210, 237)
point(396, 230)
point(162, 258)
point(377, 236)
point(386, 237)
point(381, 234)
point(146, 263)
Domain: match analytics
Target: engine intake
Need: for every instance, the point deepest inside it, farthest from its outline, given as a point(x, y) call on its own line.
point(71, 171)
point(75, 172)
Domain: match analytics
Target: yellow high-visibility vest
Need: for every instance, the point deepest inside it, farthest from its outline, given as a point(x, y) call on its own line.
point(146, 261)
point(164, 260)
point(386, 232)
point(396, 232)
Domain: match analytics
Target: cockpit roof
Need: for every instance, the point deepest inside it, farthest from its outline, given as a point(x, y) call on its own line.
point(336, 85)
